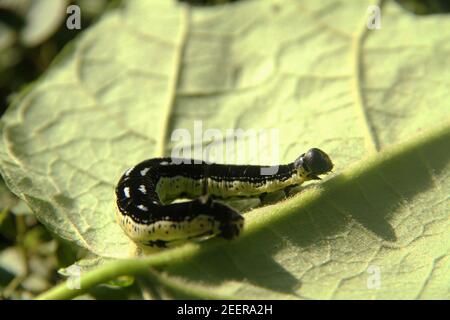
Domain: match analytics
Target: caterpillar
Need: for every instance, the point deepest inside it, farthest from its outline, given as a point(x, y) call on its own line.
point(145, 196)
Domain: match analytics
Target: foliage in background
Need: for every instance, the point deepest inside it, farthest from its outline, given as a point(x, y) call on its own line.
point(426, 6)
point(32, 33)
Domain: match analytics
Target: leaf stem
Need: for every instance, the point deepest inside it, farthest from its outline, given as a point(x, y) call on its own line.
point(371, 141)
point(116, 269)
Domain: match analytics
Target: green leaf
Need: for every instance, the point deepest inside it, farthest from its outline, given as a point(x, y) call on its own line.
point(374, 220)
point(310, 69)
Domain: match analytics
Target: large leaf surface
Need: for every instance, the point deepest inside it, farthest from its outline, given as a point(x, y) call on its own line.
point(310, 69)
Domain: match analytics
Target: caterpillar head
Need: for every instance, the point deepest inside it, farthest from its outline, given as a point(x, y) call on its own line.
point(315, 162)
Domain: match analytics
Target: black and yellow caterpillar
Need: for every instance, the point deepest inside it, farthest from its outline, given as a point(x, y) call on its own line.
point(145, 195)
